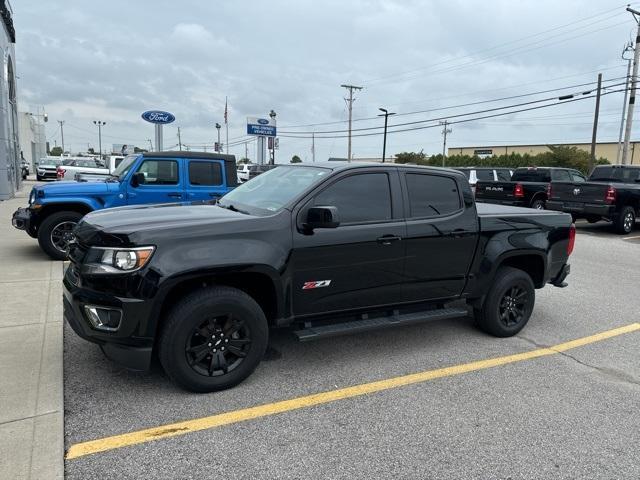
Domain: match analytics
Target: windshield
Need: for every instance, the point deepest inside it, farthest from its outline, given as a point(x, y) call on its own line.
point(273, 189)
point(124, 167)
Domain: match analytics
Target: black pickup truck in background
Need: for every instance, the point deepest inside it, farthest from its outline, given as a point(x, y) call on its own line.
point(612, 193)
point(527, 188)
point(328, 249)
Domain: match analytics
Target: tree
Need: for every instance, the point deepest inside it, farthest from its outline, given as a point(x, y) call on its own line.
point(244, 160)
point(56, 151)
point(296, 159)
point(139, 150)
point(412, 157)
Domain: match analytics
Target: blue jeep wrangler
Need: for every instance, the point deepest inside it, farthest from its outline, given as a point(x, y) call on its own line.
point(162, 177)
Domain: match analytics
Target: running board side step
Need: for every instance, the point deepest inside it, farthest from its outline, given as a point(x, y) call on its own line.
point(311, 332)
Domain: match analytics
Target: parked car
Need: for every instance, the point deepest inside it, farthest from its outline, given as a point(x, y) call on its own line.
point(24, 170)
point(527, 187)
point(255, 170)
point(485, 174)
point(612, 193)
point(73, 168)
point(46, 168)
point(330, 249)
point(161, 177)
point(243, 172)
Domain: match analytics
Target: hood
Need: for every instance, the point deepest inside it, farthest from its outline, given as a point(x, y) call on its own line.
point(77, 188)
point(116, 226)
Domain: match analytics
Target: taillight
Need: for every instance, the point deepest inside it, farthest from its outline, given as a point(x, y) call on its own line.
point(549, 191)
point(518, 191)
point(610, 196)
point(572, 238)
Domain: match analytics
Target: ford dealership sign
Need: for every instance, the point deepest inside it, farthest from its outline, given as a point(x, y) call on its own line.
point(158, 116)
point(262, 127)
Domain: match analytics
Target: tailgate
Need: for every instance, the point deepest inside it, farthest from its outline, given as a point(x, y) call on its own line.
point(575, 195)
point(494, 190)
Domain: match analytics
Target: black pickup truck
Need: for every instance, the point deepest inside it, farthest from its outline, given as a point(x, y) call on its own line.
point(328, 249)
point(612, 193)
point(527, 188)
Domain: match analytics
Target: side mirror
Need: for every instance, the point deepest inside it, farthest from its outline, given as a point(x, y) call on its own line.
point(138, 179)
point(322, 217)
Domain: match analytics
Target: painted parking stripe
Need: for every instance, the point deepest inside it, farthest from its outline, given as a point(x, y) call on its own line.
point(181, 428)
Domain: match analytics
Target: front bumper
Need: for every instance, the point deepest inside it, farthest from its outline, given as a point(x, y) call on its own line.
point(125, 345)
point(21, 219)
point(582, 209)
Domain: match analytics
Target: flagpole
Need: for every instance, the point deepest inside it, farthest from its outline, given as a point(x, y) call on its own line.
point(226, 124)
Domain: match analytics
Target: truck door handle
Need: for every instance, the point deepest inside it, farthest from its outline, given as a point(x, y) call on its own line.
point(388, 239)
point(174, 195)
point(458, 233)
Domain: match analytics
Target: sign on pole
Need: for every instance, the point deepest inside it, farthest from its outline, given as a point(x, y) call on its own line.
point(159, 118)
point(262, 127)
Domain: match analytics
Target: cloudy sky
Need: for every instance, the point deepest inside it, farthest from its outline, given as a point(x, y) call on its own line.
point(110, 61)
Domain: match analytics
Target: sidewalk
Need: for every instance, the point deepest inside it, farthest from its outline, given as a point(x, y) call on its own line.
point(31, 395)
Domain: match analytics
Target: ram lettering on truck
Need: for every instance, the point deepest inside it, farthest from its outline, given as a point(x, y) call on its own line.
point(326, 249)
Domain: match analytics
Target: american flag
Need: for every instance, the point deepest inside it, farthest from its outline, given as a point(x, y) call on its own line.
point(226, 112)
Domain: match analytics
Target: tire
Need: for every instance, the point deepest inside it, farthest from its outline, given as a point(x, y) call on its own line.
point(38, 178)
point(625, 221)
point(538, 204)
point(190, 357)
point(62, 221)
point(508, 283)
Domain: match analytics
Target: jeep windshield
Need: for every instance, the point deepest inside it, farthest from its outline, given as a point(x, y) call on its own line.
point(272, 190)
point(125, 165)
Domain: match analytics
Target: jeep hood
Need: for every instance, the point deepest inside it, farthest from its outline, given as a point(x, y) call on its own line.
point(72, 189)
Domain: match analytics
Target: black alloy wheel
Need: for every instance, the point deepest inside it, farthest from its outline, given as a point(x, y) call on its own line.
point(218, 345)
point(512, 306)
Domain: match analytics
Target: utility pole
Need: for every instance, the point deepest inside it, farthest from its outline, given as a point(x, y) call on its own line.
point(179, 139)
point(150, 145)
point(246, 150)
point(445, 131)
point(100, 124)
point(313, 146)
point(592, 157)
point(628, 47)
point(385, 114)
point(632, 95)
point(350, 101)
point(61, 122)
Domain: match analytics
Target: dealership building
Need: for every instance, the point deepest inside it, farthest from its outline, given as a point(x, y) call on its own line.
point(608, 150)
point(10, 178)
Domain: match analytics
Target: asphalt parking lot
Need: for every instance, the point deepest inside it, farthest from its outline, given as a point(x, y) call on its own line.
point(572, 414)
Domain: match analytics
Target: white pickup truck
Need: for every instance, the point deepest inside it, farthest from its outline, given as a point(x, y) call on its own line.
point(72, 168)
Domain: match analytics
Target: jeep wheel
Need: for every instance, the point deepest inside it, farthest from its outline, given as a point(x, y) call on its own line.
point(213, 339)
point(55, 232)
point(508, 304)
point(625, 221)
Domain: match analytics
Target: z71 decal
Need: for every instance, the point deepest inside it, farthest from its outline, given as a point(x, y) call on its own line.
point(316, 284)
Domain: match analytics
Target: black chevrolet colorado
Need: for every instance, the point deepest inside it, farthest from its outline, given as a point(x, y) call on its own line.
point(327, 249)
point(612, 193)
point(527, 187)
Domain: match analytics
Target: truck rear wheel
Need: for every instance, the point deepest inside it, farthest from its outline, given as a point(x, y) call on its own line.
point(55, 232)
point(538, 204)
point(509, 303)
point(213, 339)
point(625, 221)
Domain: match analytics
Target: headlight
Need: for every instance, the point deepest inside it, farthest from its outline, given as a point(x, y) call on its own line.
point(32, 197)
point(117, 260)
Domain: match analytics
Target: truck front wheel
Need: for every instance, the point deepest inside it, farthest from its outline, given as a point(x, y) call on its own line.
point(213, 339)
point(509, 303)
point(55, 232)
point(625, 221)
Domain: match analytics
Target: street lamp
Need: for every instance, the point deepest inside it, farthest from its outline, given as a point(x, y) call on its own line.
point(218, 127)
point(272, 114)
point(100, 124)
point(385, 114)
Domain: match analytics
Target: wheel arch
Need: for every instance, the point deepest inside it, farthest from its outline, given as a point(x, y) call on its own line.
point(50, 208)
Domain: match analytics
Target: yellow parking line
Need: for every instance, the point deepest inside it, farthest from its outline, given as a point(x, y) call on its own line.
point(181, 428)
point(631, 238)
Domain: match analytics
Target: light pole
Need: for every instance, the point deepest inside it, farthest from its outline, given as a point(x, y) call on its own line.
point(385, 114)
point(150, 145)
point(100, 124)
point(218, 127)
point(272, 114)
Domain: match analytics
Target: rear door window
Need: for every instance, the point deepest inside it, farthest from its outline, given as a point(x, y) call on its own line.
point(561, 176)
point(503, 174)
point(484, 175)
point(577, 177)
point(432, 195)
point(205, 173)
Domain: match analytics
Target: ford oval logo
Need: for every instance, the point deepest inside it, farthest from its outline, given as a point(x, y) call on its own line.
point(158, 116)
point(263, 121)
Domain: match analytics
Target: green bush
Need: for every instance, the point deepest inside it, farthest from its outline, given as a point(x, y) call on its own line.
point(557, 156)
